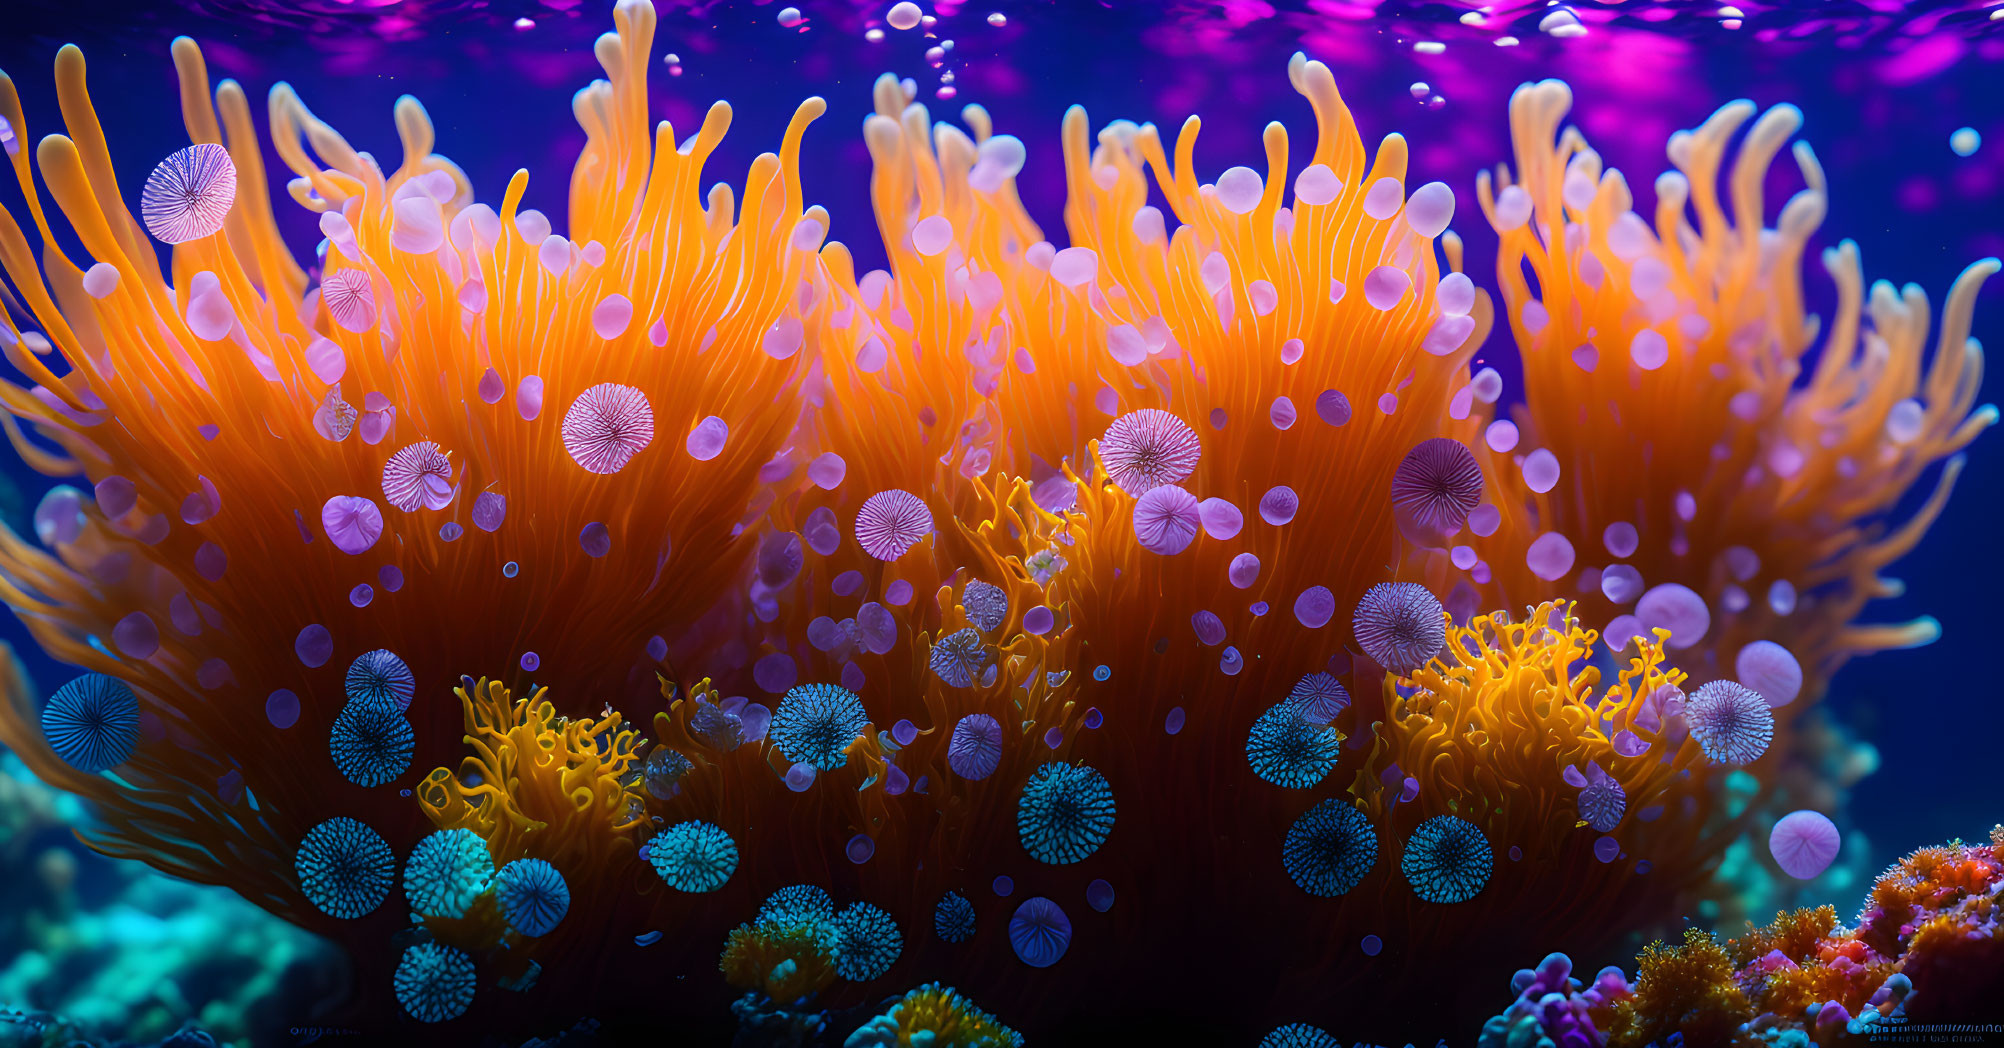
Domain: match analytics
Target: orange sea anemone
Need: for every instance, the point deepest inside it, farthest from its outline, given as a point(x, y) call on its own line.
point(1707, 432)
point(1014, 574)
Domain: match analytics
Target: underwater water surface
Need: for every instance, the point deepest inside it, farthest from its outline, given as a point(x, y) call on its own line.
point(546, 521)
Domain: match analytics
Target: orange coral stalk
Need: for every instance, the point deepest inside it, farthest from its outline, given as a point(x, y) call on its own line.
point(1689, 413)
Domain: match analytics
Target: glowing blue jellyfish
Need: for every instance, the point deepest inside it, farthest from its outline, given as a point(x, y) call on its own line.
point(446, 872)
point(345, 868)
point(953, 918)
point(434, 983)
point(1065, 813)
point(371, 743)
point(957, 657)
point(798, 902)
point(1447, 860)
point(1040, 932)
point(815, 724)
point(986, 606)
point(693, 856)
point(870, 942)
point(1730, 721)
point(92, 722)
point(1289, 747)
point(533, 895)
point(1299, 1035)
point(1329, 849)
point(380, 677)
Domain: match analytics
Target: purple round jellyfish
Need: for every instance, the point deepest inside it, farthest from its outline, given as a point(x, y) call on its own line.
point(1040, 932)
point(352, 523)
point(606, 426)
point(1678, 609)
point(1730, 721)
point(1400, 625)
point(1771, 670)
point(1804, 843)
point(975, 749)
point(1437, 485)
point(1550, 556)
point(281, 708)
point(892, 522)
point(314, 646)
point(1145, 449)
point(1278, 505)
point(1315, 607)
point(189, 194)
point(419, 476)
point(1166, 520)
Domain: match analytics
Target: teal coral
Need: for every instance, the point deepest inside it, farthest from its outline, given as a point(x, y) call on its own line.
point(693, 856)
point(870, 942)
point(446, 872)
point(345, 868)
point(123, 953)
point(533, 895)
point(92, 722)
point(435, 983)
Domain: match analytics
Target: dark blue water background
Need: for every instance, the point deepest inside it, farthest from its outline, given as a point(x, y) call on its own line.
point(1882, 87)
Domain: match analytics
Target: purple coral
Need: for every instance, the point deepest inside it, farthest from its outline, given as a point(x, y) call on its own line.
point(1554, 1008)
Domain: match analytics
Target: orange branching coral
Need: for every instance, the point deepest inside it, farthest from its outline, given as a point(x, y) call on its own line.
point(1671, 370)
point(1927, 882)
point(1795, 934)
point(1688, 990)
point(786, 961)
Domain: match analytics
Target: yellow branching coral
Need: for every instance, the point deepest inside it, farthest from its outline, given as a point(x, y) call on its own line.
point(1688, 990)
point(540, 785)
point(786, 961)
point(1509, 708)
point(935, 1016)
